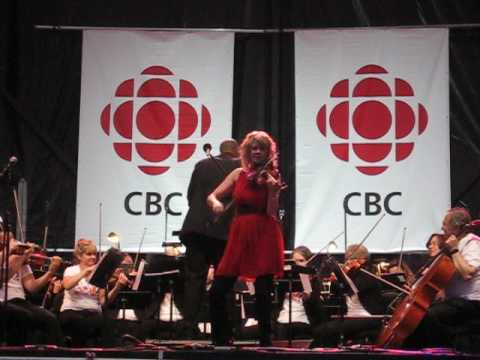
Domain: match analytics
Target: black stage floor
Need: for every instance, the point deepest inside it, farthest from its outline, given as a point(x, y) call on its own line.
point(188, 350)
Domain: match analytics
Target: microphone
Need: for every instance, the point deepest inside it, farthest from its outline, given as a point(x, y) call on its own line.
point(11, 162)
point(207, 148)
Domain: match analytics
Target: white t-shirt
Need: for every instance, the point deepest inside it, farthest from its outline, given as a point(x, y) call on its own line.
point(355, 307)
point(469, 247)
point(165, 309)
point(15, 286)
point(298, 311)
point(82, 296)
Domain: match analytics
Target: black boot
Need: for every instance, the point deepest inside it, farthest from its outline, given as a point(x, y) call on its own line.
point(263, 308)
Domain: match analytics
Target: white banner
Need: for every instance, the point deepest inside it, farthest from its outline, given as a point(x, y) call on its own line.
point(372, 137)
point(150, 101)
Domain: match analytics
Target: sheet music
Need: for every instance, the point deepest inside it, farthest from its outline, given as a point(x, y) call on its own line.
point(307, 285)
point(138, 278)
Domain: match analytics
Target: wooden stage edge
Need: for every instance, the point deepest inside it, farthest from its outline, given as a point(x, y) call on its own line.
point(202, 350)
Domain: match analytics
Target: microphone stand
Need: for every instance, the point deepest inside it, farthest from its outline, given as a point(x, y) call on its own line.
point(217, 163)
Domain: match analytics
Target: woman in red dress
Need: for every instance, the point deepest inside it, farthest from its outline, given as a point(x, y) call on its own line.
point(255, 244)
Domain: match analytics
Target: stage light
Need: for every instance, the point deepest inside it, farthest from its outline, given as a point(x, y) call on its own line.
point(114, 239)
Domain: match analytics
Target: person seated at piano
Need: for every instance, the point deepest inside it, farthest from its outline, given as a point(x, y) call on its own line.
point(81, 311)
point(33, 324)
point(307, 308)
point(361, 296)
point(448, 322)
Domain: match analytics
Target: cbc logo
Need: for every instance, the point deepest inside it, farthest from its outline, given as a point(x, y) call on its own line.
point(373, 120)
point(151, 119)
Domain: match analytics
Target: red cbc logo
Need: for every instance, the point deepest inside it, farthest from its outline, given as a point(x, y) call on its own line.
point(153, 118)
point(377, 138)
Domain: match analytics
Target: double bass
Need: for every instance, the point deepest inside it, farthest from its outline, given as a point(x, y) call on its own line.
point(411, 310)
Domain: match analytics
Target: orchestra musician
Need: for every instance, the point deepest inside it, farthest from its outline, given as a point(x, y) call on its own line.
point(434, 244)
point(32, 323)
point(203, 237)
point(81, 311)
point(255, 244)
point(361, 301)
point(307, 309)
point(446, 320)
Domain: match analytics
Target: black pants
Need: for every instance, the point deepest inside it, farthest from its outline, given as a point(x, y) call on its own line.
point(339, 331)
point(443, 322)
point(202, 251)
point(222, 324)
point(44, 325)
point(85, 327)
point(15, 325)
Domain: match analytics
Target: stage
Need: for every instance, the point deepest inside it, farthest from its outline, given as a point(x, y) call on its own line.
point(202, 350)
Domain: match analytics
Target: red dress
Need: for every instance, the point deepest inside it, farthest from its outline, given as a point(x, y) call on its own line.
point(255, 242)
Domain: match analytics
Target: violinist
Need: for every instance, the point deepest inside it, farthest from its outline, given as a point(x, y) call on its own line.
point(255, 244)
point(307, 309)
point(361, 301)
point(81, 311)
point(447, 320)
point(43, 326)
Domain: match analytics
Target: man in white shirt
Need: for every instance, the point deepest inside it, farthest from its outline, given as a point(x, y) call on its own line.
point(448, 319)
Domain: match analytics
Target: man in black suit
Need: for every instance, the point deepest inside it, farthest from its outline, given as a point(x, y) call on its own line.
point(203, 235)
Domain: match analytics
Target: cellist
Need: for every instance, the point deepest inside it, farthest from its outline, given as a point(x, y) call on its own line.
point(442, 320)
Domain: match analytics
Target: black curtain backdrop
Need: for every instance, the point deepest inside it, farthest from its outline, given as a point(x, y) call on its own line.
point(40, 73)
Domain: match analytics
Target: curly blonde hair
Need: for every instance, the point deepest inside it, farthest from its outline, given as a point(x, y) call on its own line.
point(83, 246)
point(265, 141)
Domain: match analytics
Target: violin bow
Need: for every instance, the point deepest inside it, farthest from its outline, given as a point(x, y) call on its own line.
point(137, 256)
point(401, 248)
point(100, 230)
point(45, 229)
point(331, 242)
point(385, 281)
point(366, 237)
point(19, 217)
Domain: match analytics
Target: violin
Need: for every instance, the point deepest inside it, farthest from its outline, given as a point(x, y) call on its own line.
point(260, 176)
point(125, 270)
point(20, 249)
point(43, 262)
point(37, 257)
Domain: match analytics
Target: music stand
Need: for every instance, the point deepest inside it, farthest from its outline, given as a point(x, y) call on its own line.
point(298, 280)
point(131, 300)
point(110, 261)
point(162, 269)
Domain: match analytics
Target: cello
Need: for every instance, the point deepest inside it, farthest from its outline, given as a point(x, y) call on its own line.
point(411, 310)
